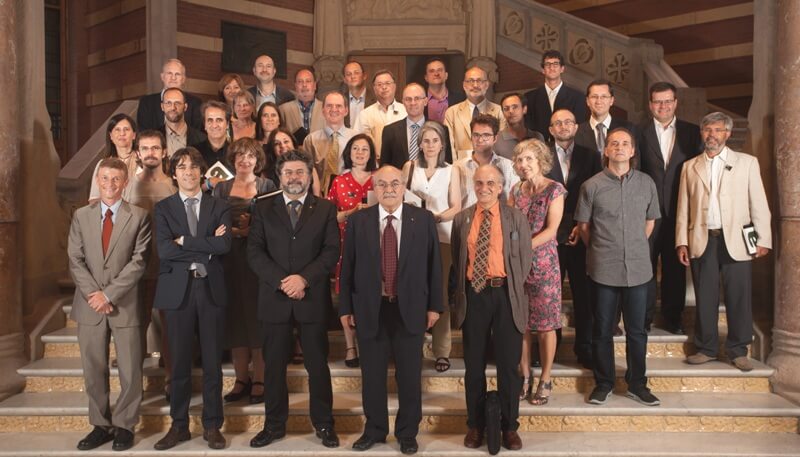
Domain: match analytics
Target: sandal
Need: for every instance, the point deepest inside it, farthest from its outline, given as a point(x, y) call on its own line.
point(354, 362)
point(526, 389)
point(542, 395)
point(256, 398)
point(236, 396)
point(442, 364)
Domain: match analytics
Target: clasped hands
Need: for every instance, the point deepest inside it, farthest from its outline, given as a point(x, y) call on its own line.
point(99, 303)
point(294, 286)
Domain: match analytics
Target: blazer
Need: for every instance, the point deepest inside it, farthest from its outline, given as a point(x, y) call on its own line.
point(419, 274)
point(583, 164)
point(293, 119)
point(457, 119)
point(587, 137)
point(281, 95)
point(369, 98)
point(742, 201)
point(150, 116)
point(205, 248)
point(539, 112)
point(394, 144)
point(688, 144)
point(311, 249)
point(454, 97)
point(118, 273)
point(517, 258)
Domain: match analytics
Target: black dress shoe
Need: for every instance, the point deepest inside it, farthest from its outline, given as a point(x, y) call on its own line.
point(96, 438)
point(328, 437)
point(123, 440)
point(408, 445)
point(365, 442)
point(266, 436)
point(674, 329)
point(214, 438)
point(172, 438)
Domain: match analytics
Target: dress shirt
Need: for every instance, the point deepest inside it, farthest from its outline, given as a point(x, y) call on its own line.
point(302, 199)
point(176, 139)
point(467, 167)
point(593, 124)
point(419, 123)
point(262, 97)
point(715, 166)
point(375, 117)
point(564, 158)
point(199, 198)
point(552, 94)
point(495, 267)
point(666, 139)
point(437, 106)
point(344, 136)
point(114, 208)
point(357, 104)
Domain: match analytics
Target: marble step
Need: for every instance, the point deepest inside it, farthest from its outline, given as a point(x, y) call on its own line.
point(535, 444)
point(665, 375)
point(443, 413)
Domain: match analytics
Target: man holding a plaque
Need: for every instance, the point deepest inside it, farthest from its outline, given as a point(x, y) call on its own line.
point(216, 117)
point(721, 202)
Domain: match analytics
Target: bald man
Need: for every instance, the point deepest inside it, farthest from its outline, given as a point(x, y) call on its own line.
point(149, 115)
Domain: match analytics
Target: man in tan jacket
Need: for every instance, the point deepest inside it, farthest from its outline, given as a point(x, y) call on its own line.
point(720, 195)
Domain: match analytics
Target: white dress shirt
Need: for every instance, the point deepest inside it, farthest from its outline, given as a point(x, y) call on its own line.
point(552, 94)
point(666, 139)
point(564, 158)
point(715, 167)
point(375, 117)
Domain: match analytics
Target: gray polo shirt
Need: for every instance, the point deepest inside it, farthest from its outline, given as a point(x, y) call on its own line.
point(506, 141)
point(617, 209)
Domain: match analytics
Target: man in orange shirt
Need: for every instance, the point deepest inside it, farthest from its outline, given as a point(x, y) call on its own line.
point(492, 256)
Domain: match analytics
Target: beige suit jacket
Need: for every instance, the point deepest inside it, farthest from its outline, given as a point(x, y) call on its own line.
point(293, 119)
point(742, 201)
point(457, 119)
point(118, 274)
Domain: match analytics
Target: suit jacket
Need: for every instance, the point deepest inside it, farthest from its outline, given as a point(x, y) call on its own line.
point(369, 98)
point(150, 116)
point(118, 273)
point(171, 223)
point(454, 97)
point(587, 137)
point(281, 95)
point(742, 201)
point(517, 257)
point(419, 274)
point(293, 119)
point(688, 144)
point(539, 112)
point(458, 117)
point(311, 249)
point(394, 144)
point(583, 164)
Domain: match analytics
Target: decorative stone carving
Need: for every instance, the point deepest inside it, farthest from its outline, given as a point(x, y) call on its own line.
point(513, 26)
point(393, 10)
point(546, 37)
point(617, 70)
point(581, 53)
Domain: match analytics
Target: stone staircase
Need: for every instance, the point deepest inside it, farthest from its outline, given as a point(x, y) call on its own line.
point(716, 409)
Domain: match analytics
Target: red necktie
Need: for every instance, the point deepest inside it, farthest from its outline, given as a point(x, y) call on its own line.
point(108, 226)
point(389, 257)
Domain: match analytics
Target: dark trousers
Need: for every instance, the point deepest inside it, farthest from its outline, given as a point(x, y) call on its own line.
point(392, 339)
point(197, 310)
point(737, 283)
point(572, 260)
point(277, 350)
point(673, 275)
point(489, 316)
point(605, 301)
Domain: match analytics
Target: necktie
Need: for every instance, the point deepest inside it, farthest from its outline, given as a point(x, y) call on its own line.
point(475, 112)
point(481, 263)
point(601, 137)
point(413, 148)
point(332, 160)
point(389, 257)
point(108, 227)
point(294, 212)
point(191, 217)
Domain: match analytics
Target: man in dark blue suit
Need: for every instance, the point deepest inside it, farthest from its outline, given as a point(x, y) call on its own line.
point(292, 247)
point(192, 233)
point(592, 133)
point(552, 96)
point(391, 287)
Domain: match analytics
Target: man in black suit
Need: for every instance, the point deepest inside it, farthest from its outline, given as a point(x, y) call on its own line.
point(149, 115)
point(440, 97)
point(192, 232)
point(592, 133)
point(665, 143)
point(293, 246)
point(354, 87)
point(399, 139)
point(552, 96)
point(573, 165)
point(391, 287)
point(266, 90)
point(177, 131)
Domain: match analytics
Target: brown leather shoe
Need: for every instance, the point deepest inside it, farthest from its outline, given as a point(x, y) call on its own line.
point(699, 358)
point(743, 363)
point(214, 438)
point(512, 441)
point(172, 438)
point(474, 438)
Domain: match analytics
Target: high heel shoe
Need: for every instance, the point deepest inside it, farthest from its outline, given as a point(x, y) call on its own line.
point(354, 362)
point(236, 396)
point(542, 395)
point(526, 389)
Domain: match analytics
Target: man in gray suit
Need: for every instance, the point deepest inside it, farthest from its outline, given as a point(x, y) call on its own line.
point(108, 246)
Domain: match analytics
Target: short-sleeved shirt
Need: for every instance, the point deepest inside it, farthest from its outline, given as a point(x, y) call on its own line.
point(617, 211)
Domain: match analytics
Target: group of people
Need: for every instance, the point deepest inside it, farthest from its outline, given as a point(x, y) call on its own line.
point(441, 210)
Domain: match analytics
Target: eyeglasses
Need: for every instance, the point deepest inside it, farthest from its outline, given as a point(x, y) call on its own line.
point(413, 99)
point(595, 98)
point(482, 136)
point(384, 85)
point(383, 185)
point(474, 81)
point(299, 173)
point(567, 123)
point(171, 103)
point(150, 148)
point(710, 130)
point(551, 64)
point(662, 102)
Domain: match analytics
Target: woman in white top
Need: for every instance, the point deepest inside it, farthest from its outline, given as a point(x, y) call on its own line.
point(120, 133)
point(437, 184)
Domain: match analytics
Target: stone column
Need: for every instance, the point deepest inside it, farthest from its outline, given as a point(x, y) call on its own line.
point(329, 50)
point(482, 37)
point(785, 356)
point(161, 38)
point(11, 334)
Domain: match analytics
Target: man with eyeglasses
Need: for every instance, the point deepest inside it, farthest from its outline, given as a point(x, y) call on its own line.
point(574, 165)
point(553, 95)
point(391, 289)
point(665, 144)
point(178, 133)
point(458, 117)
point(293, 247)
point(722, 223)
point(514, 108)
point(592, 133)
point(440, 97)
point(400, 139)
point(383, 112)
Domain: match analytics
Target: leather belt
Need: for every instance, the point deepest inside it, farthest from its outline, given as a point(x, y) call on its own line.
point(496, 282)
point(715, 232)
point(389, 298)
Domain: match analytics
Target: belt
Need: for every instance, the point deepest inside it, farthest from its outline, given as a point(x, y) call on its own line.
point(389, 298)
point(496, 282)
point(194, 274)
point(714, 232)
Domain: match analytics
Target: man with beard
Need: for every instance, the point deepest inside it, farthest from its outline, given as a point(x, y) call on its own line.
point(303, 115)
point(514, 108)
point(292, 247)
point(149, 115)
point(458, 118)
point(178, 133)
point(266, 90)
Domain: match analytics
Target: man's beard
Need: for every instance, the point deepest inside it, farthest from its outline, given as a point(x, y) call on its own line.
point(294, 188)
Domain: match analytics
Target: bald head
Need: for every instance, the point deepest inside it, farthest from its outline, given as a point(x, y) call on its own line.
point(414, 100)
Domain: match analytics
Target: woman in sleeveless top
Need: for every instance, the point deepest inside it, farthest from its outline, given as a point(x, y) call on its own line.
point(437, 183)
point(120, 136)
